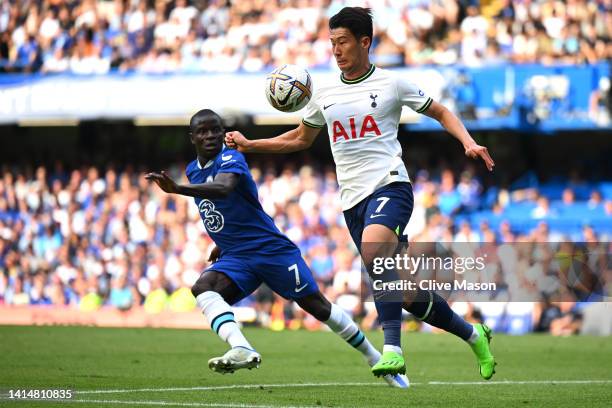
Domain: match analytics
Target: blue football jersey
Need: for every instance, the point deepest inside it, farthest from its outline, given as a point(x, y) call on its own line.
point(237, 223)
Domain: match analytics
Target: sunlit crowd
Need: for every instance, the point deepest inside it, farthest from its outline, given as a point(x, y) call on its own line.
point(158, 36)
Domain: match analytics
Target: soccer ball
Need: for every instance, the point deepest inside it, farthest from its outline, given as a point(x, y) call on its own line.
point(288, 88)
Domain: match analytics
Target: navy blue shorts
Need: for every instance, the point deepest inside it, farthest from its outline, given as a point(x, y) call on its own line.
point(286, 273)
point(390, 205)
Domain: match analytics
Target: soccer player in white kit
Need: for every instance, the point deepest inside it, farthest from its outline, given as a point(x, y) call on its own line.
point(362, 111)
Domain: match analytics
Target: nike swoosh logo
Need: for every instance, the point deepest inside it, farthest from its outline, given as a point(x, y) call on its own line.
point(377, 215)
point(298, 290)
point(226, 158)
point(328, 106)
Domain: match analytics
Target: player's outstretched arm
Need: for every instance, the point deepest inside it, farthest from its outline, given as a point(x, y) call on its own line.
point(455, 127)
point(220, 187)
point(296, 139)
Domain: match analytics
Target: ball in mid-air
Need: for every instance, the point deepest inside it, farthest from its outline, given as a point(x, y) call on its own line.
point(288, 88)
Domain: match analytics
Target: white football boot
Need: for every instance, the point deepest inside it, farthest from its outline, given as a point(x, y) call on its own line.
point(394, 380)
point(235, 359)
point(397, 380)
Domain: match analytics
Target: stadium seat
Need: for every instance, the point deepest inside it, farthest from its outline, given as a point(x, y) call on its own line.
point(606, 190)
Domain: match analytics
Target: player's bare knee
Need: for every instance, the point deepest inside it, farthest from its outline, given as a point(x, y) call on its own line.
point(208, 281)
point(200, 287)
point(370, 251)
point(377, 241)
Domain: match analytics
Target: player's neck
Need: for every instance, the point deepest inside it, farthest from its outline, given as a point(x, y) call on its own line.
point(358, 71)
point(204, 159)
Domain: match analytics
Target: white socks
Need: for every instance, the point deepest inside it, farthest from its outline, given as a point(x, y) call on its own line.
point(474, 337)
point(345, 327)
point(390, 347)
point(219, 315)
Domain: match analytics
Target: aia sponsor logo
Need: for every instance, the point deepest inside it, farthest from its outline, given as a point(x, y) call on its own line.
point(367, 127)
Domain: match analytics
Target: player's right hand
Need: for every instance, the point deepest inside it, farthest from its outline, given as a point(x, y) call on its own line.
point(236, 140)
point(476, 151)
point(163, 181)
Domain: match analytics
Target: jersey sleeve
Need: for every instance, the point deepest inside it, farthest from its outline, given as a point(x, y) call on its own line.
point(313, 117)
point(410, 95)
point(233, 161)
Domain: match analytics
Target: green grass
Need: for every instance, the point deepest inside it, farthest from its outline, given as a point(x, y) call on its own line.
point(84, 358)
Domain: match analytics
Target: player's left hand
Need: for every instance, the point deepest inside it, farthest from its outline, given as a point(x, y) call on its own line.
point(163, 181)
point(475, 151)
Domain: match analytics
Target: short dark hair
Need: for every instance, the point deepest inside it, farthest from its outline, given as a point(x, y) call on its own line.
point(204, 113)
point(358, 20)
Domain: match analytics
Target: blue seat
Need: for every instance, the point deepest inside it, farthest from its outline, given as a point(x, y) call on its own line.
point(606, 190)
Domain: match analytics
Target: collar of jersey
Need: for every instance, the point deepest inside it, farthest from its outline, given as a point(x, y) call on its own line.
point(211, 161)
point(361, 78)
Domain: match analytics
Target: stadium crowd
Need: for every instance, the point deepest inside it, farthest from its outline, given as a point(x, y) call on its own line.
point(88, 238)
point(156, 36)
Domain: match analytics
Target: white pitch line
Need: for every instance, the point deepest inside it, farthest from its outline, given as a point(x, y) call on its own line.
point(528, 382)
point(176, 404)
point(336, 384)
point(230, 387)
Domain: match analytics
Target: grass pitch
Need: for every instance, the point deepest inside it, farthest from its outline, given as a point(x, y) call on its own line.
point(166, 368)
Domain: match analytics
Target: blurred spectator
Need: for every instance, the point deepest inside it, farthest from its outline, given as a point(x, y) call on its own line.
point(466, 234)
point(568, 198)
point(542, 210)
point(450, 198)
point(469, 189)
point(545, 314)
point(121, 295)
point(568, 322)
point(595, 200)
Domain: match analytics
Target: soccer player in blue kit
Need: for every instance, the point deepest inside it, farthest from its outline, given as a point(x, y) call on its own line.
point(250, 250)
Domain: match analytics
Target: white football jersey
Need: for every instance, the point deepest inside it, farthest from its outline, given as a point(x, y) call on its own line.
point(362, 117)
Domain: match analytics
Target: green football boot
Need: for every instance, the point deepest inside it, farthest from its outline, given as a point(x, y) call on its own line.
point(390, 363)
point(486, 361)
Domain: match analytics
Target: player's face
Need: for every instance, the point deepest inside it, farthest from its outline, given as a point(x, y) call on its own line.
point(207, 135)
point(348, 50)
